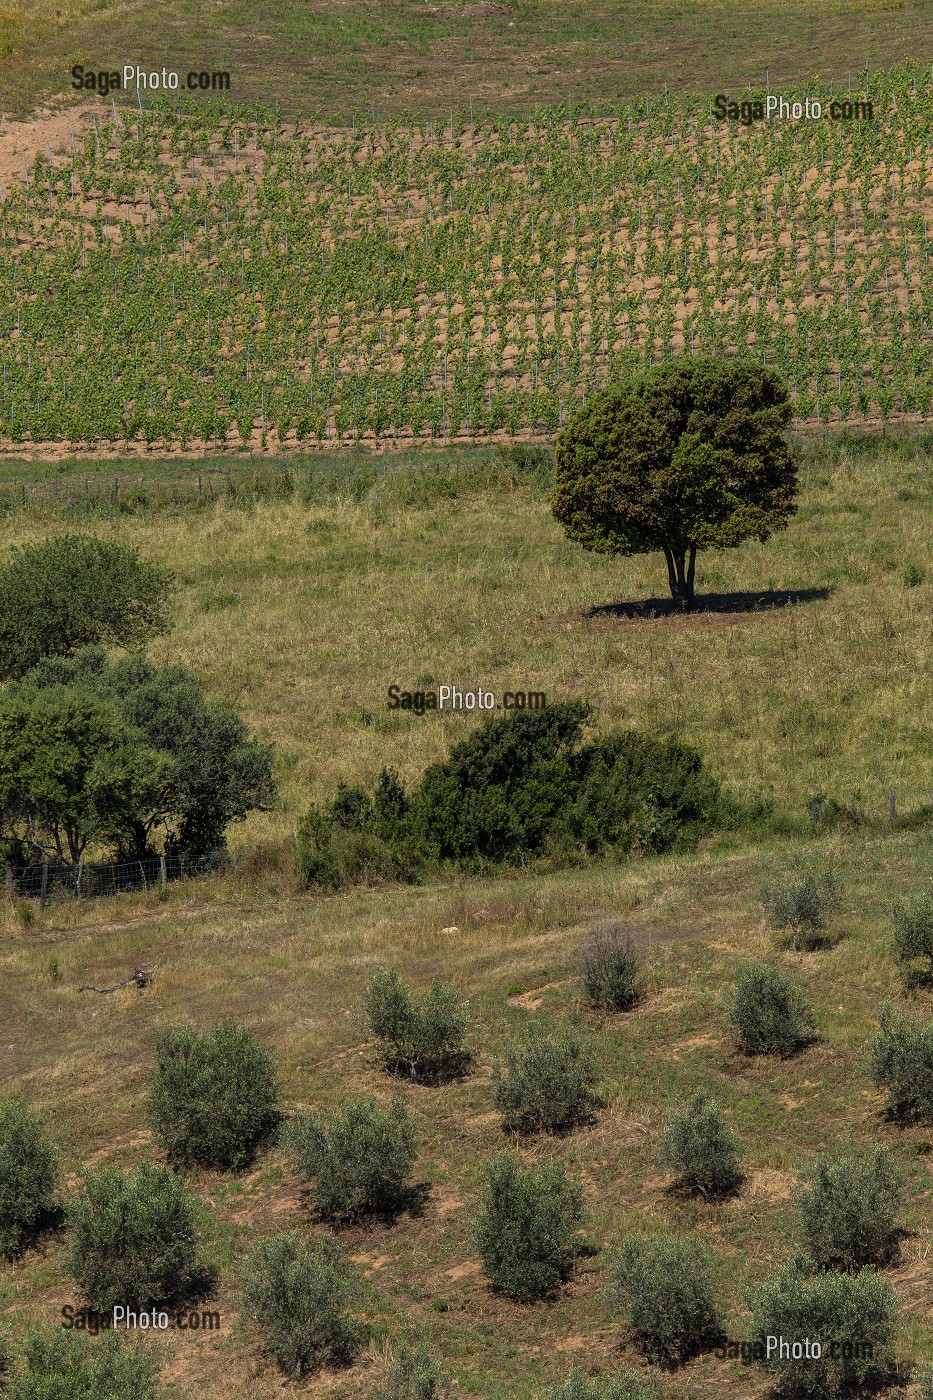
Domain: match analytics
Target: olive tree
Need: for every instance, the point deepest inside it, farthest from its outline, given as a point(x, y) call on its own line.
point(686, 455)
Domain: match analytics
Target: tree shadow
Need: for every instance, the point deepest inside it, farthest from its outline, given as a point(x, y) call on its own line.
point(766, 601)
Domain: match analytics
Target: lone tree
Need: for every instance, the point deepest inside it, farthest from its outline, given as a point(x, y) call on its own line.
point(687, 455)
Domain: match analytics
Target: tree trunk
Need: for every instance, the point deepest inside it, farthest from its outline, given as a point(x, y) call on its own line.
point(681, 568)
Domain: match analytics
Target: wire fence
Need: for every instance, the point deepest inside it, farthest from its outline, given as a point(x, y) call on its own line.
point(55, 880)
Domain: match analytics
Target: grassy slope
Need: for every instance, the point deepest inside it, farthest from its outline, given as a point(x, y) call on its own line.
point(292, 969)
point(279, 607)
point(407, 56)
point(304, 616)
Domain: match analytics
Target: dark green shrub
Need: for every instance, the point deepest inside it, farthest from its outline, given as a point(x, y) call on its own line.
point(802, 906)
point(61, 1365)
point(611, 969)
point(901, 1062)
point(664, 1286)
point(699, 1147)
point(852, 1316)
point(769, 1015)
point(546, 1083)
point(357, 1160)
point(528, 1227)
point(71, 591)
point(624, 1384)
point(298, 1299)
point(522, 786)
point(214, 1095)
point(133, 1238)
point(848, 1211)
point(926, 1384)
point(423, 1038)
point(913, 939)
point(412, 1376)
point(29, 1175)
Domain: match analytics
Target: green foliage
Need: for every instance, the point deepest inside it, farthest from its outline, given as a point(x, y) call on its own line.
point(664, 1285)
point(412, 1376)
point(546, 1083)
point(71, 591)
point(214, 773)
point(926, 1384)
point(134, 1239)
point(528, 1227)
point(913, 574)
point(214, 1096)
point(521, 786)
point(29, 1175)
point(611, 970)
point(686, 455)
point(61, 1365)
point(298, 1299)
point(625, 1384)
point(699, 1147)
point(848, 1314)
point(72, 771)
point(358, 1160)
point(913, 939)
point(848, 1211)
point(422, 1038)
point(901, 1062)
point(802, 905)
point(768, 1014)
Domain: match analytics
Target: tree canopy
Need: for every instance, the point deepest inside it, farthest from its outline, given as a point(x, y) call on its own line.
point(687, 455)
point(70, 591)
point(113, 752)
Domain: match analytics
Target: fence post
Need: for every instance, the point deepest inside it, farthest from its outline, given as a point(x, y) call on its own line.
point(44, 886)
point(162, 872)
point(9, 881)
point(80, 872)
point(892, 804)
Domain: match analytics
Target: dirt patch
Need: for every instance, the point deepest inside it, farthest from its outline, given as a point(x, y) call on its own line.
point(467, 1270)
point(531, 1000)
point(49, 130)
point(485, 9)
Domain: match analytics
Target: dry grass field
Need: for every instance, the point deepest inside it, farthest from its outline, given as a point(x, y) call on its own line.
point(292, 967)
point(806, 674)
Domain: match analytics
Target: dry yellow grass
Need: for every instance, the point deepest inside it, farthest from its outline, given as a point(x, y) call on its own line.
point(303, 616)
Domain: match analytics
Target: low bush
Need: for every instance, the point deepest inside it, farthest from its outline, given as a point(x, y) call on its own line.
point(664, 1285)
point(848, 1211)
point(214, 1095)
point(133, 1238)
point(29, 1176)
point(901, 1063)
point(546, 1083)
point(61, 1365)
point(423, 1038)
point(299, 1298)
point(521, 787)
point(412, 1376)
point(625, 1384)
point(853, 1316)
point(913, 939)
point(802, 905)
point(528, 1227)
point(357, 1160)
point(769, 1015)
point(699, 1147)
point(926, 1384)
point(611, 970)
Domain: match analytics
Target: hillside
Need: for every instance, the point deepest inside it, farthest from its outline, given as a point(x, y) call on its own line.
point(216, 279)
